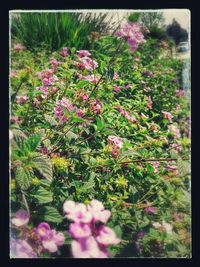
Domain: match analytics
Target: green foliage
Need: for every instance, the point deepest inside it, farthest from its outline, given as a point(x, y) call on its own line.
point(23, 177)
point(49, 214)
point(134, 17)
point(56, 30)
point(53, 161)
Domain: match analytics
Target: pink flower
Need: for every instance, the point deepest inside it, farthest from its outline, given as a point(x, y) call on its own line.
point(80, 113)
point(126, 115)
point(150, 210)
point(87, 63)
point(21, 218)
point(136, 59)
point(65, 103)
point(87, 248)
point(79, 230)
point(149, 104)
point(55, 89)
point(64, 52)
point(45, 73)
point(13, 73)
point(175, 131)
point(21, 249)
point(91, 78)
point(155, 166)
point(167, 116)
point(179, 93)
point(19, 47)
point(131, 32)
point(51, 241)
point(55, 62)
point(153, 127)
point(21, 99)
point(116, 88)
point(98, 212)
point(116, 140)
point(15, 119)
point(79, 212)
point(82, 96)
point(116, 76)
point(173, 169)
point(107, 236)
point(83, 53)
point(49, 81)
point(43, 229)
point(95, 106)
point(50, 238)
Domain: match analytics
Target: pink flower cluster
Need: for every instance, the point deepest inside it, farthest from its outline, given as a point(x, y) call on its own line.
point(59, 111)
point(149, 209)
point(173, 129)
point(45, 237)
point(150, 102)
point(95, 106)
point(65, 104)
point(85, 62)
point(126, 115)
point(19, 47)
point(131, 32)
point(50, 239)
point(82, 96)
point(155, 165)
point(179, 92)
point(117, 143)
point(90, 239)
point(167, 115)
point(64, 52)
point(54, 62)
point(91, 78)
point(21, 249)
point(21, 218)
point(173, 169)
point(83, 53)
point(21, 99)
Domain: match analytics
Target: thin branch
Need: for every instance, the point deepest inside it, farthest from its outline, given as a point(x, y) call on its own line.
point(140, 160)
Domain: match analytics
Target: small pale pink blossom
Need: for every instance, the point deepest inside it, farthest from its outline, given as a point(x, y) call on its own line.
point(19, 47)
point(167, 115)
point(79, 230)
point(87, 63)
point(21, 249)
point(64, 52)
point(107, 236)
point(173, 129)
point(98, 212)
point(83, 53)
point(87, 248)
point(155, 165)
point(21, 99)
point(79, 213)
point(21, 218)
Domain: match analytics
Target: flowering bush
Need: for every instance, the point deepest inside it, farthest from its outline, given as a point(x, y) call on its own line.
point(100, 145)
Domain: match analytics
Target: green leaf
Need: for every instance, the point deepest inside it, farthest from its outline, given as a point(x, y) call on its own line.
point(100, 123)
point(51, 120)
point(32, 142)
point(118, 231)
point(43, 165)
point(43, 196)
point(50, 214)
point(23, 177)
point(183, 167)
